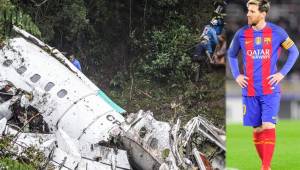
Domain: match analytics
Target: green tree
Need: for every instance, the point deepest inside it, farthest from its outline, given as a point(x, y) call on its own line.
point(168, 56)
point(13, 15)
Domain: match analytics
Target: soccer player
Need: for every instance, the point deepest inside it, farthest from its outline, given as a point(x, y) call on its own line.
point(260, 43)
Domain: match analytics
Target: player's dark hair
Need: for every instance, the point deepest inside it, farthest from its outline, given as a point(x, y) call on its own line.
point(263, 5)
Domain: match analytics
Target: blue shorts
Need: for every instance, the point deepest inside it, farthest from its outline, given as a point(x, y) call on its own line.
point(258, 109)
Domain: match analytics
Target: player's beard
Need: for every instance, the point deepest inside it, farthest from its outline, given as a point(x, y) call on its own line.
point(253, 22)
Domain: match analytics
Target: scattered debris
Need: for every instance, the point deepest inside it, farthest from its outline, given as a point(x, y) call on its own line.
point(66, 122)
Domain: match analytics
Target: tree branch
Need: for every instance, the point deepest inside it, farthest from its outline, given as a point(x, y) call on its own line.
point(38, 4)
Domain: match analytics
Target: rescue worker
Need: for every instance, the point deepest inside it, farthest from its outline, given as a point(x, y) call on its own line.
point(75, 62)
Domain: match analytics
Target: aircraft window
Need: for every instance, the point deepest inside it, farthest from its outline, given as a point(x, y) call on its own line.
point(35, 78)
point(154, 143)
point(49, 86)
point(62, 93)
point(21, 69)
point(7, 63)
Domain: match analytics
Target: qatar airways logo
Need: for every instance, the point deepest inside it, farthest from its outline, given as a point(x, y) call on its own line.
point(259, 53)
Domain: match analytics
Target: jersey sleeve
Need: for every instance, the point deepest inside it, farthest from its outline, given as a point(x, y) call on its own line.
point(232, 54)
point(293, 53)
point(286, 41)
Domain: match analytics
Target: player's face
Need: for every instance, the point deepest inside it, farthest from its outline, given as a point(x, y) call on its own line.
point(254, 15)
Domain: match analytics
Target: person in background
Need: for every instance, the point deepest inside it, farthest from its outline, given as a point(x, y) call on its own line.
point(208, 42)
point(218, 24)
point(75, 62)
point(220, 52)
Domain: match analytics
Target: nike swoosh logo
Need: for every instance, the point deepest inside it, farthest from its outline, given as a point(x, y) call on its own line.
point(247, 42)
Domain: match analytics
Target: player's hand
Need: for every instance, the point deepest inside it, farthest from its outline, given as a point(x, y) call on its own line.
point(275, 78)
point(242, 80)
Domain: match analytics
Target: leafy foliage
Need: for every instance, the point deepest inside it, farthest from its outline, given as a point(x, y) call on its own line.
point(13, 15)
point(166, 2)
point(30, 158)
point(168, 57)
point(10, 164)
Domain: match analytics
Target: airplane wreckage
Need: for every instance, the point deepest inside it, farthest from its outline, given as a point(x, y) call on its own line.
point(47, 103)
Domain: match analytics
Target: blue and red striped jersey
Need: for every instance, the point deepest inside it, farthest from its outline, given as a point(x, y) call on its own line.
point(260, 51)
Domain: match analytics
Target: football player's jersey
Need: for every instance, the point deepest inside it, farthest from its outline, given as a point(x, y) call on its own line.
point(260, 50)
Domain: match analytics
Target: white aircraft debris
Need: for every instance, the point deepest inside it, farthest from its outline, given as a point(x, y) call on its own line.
point(47, 103)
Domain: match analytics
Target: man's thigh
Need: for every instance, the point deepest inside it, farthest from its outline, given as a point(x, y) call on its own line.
point(252, 111)
point(270, 105)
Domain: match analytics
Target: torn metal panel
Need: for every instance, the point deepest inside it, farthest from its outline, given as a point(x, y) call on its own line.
point(106, 155)
point(63, 160)
point(154, 144)
point(202, 125)
point(63, 152)
point(88, 164)
point(3, 122)
point(5, 111)
point(69, 145)
point(200, 162)
point(148, 140)
point(175, 142)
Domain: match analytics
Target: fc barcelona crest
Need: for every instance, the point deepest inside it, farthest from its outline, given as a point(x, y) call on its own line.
point(267, 40)
point(258, 40)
